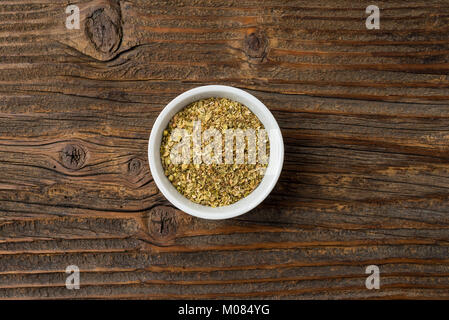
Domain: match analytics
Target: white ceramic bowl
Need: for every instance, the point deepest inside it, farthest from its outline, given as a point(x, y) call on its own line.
point(268, 182)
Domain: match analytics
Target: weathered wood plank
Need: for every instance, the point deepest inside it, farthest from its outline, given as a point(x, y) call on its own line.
point(364, 115)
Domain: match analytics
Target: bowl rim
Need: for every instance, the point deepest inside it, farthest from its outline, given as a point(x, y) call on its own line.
point(240, 207)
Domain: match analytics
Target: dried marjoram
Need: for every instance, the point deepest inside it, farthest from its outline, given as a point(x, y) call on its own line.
point(214, 184)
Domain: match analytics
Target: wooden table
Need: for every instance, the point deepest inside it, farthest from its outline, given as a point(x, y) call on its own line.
point(365, 120)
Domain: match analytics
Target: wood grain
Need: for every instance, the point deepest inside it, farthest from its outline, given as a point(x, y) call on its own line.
point(364, 115)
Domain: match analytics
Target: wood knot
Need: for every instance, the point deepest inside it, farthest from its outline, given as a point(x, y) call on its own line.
point(73, 156)
point(134, 166)
point(104, 30)
point(256, 44)
point(163, 224)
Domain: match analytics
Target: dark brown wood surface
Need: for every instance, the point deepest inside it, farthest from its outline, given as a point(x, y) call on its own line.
point(364, 115)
